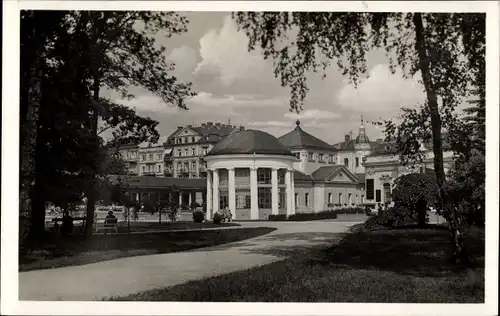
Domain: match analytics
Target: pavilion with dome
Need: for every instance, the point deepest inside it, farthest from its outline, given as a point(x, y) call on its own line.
point(255, 174)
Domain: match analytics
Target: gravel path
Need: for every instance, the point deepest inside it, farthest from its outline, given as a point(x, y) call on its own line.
point(135, 274)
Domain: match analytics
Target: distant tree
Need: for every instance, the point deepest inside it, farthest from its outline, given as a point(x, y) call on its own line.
point(448, 50)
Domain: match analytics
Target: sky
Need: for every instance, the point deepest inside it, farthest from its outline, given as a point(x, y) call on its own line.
point(237, 86)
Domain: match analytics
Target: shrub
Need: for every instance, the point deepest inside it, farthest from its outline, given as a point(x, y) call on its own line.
point(195, 205)
point(279, 217)
point(217, 219)
point(198, 216)
point(350, 210)
point(313, 216)
point(393, 217)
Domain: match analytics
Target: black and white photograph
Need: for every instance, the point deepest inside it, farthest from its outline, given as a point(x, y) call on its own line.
point(186, 153)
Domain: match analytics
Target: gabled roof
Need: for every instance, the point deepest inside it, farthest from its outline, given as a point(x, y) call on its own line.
point(209, 132)
point(327, 172)
point(361, 177)
point(297, 175)
point(298, 139)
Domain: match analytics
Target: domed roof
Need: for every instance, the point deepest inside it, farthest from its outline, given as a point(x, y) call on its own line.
point(362, 139)
point(250, 142)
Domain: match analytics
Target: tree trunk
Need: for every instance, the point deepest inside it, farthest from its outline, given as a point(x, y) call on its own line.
point(459, 253)
point(37, 216)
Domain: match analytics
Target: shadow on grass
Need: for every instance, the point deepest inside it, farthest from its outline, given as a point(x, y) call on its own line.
point(412, 251)
point(58, 252)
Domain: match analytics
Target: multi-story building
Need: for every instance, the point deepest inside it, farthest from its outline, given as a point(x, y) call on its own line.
point(130, 155)
point(187, 145)
point(151, 160)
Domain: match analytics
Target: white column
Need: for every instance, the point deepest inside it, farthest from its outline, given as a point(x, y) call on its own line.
point(254, 200)
point(293, 191)
point(215, 196)
point(274, 191)
point(208, 201)
point(190, 198)
point(180, 198)
point(231, 186)
point(288, 182)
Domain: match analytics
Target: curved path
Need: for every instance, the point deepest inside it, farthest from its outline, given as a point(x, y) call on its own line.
point(126, 276)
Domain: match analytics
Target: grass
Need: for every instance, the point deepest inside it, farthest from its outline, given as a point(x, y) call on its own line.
point(61, 252)
point(401, 265)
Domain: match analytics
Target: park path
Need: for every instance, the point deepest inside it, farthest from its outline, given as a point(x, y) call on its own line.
point(126, 276)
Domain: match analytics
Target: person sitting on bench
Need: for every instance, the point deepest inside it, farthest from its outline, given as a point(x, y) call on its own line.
point(110, 222)
point(67, 224)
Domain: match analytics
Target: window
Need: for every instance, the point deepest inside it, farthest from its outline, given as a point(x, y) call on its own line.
point(159, 168)
point(369, 188)
point(241, 172)
point(281, 176)
point(306, 199)
point(193, 151)
point(362, 199)
point(150, 157)
point(264, 196)
point(330, 159)
point(158, 157)
point(264, 176)
point(224, 200)
point(193, 165)
point(179, 152)
point(143, 168)
point(357, 161)
point(378, 196)
point(349, 199)
point(297, 155)
point(340, 198)
point(242, 199)
point(186, 152)
point(192, 139)
point(296, 199)
point(143, 157)
point(387, 193)
point(321, 157)
point(346, 162)
point(330, 198)
point(310, 156)
point(281, 198)
point(186, 166)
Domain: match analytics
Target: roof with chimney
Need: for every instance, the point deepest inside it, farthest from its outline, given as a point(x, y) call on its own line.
point(329, 174)
point(299, 139)
point(210, 132)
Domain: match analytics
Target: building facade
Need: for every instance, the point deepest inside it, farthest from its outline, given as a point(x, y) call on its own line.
point(186, 147)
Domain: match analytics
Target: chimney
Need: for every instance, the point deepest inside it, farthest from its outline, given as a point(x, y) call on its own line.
point(347, 138)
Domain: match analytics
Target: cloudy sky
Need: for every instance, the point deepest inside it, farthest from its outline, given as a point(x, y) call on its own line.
point(238, 86)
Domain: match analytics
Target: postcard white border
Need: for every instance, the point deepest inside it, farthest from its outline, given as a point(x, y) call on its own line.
point(10, 166)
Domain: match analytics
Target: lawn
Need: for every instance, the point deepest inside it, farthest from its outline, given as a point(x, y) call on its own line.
point(59, 252)
point(399, 265)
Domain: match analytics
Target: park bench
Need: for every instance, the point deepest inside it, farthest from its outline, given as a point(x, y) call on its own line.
point(57, 227)
point(106, 225)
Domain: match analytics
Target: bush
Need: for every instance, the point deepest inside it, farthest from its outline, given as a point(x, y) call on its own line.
point(350, 210)
point(279, 217)
point(198, 216)
point(195, 205)
point(313, 216)
point(392, 217)
point(217, 219)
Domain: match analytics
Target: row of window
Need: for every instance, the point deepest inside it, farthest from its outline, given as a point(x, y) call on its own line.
point(319, 157)
point(185, 140)
point(346, 162)
point(151, 168)
point(186, 152)
point(151, 157)
point(377, 194)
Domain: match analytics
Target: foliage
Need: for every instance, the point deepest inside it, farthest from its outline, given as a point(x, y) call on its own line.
point(448, 49)
point(277, 217)
point(217, 219)
point(198, 216)
point(312, 216)
point(397, 216)
point(194, 205)
point(65, 62)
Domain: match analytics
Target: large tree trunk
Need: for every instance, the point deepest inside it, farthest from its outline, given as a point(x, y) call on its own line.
point(37, 193)
point(459, 253)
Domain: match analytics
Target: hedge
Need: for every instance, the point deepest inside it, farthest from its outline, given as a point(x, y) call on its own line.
point(313, 216)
